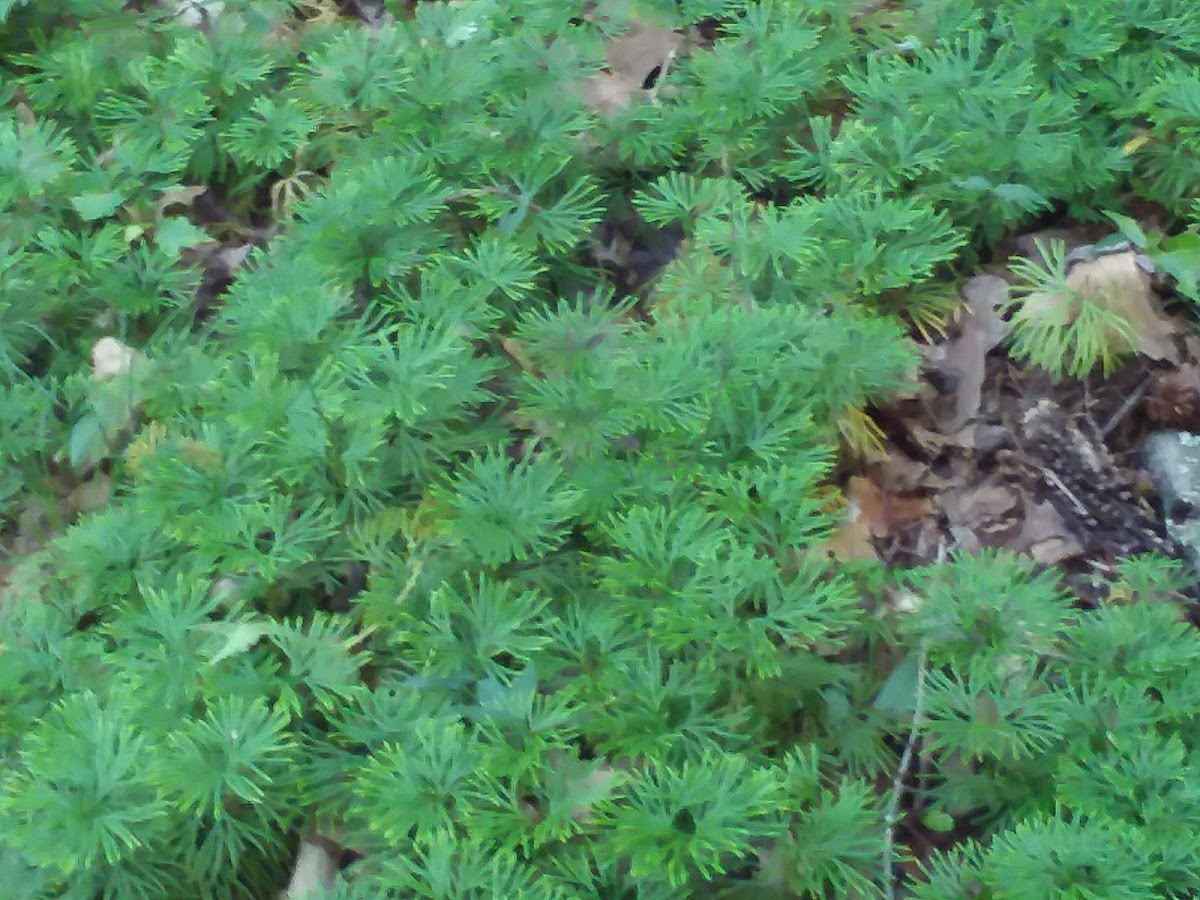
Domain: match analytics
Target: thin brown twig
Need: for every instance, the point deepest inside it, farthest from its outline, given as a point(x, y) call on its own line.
point(1116, 418)
point(1055, 482)
point(892, 819)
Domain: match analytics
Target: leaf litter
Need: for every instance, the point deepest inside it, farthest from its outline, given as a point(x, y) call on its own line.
point(633, 58)
point(962, 467)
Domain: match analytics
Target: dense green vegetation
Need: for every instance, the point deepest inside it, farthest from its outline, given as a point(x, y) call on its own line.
point(501, 568)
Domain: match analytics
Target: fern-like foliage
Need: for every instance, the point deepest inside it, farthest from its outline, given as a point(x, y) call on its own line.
point(399, 521)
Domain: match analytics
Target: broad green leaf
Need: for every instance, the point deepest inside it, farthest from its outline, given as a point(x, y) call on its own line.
point(937, 820)
point(1180, 258)
point(87, 441)
point(97, 204)
point(176, 233)
point(898, 694)
point(239, 637)
point(1130, 229)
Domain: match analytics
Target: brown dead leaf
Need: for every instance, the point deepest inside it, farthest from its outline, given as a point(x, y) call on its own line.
point(962, 360)
point(608, 94)
point(516, 350)
point(884, 511)
point(25, 115)
point(183, 196)
point(872, 512)
point(1119, 283)
point(897, 471)
point(641, 50)
point(1116, 283)
point(91, 495)
point(988, 514)
point(930, 441)
point(632, 57)
point(852, 540)
point(232, 257)
point(1045, 535)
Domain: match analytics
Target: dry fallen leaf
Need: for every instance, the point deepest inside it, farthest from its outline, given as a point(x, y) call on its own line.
point(516, 349)
point(1115, 282)
point(608, 94)
point(897, 471)
point(872, 512)
point(183, 196)
point(34, 526)
point(962, 360)
point(91, 495)
point(1119, 283)
point(632, 57)
point(852, 540)
point(1045, 535)
point(885, 511)
point(988, 514)
point(641, 49)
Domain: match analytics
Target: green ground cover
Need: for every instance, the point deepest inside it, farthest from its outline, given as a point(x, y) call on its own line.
point(424, 429)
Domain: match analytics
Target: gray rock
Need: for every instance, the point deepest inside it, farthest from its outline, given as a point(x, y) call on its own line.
point(1092, 252)
point(1173, 460)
